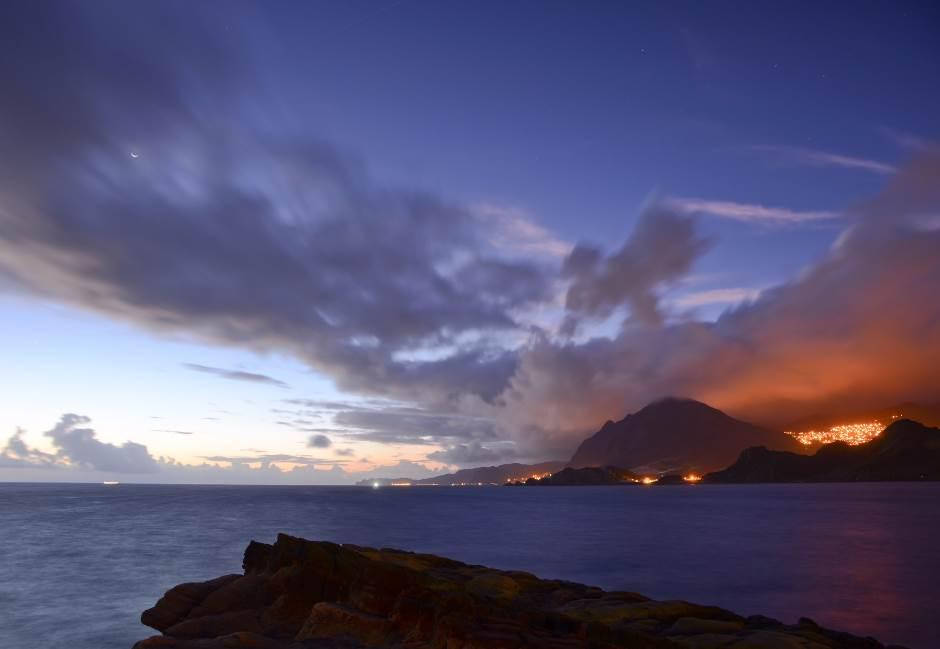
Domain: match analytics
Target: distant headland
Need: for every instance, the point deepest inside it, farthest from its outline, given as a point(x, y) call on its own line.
point(677, 441)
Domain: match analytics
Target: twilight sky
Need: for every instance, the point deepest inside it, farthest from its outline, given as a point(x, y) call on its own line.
point(312, 242)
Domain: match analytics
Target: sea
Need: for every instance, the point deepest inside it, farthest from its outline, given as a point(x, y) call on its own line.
point(79, 562)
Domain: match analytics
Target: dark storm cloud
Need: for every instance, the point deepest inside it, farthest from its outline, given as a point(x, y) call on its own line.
point(474, 454)
point(152, 185)
point(412, 426)
point(389, 422)
point(660, 250)
point(236, 375)
point(319, 441)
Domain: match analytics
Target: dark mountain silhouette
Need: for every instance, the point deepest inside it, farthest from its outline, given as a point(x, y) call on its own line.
point(587, 476)
point(906, 450)
point(487, 475)
point(493, 474)
point(673, 435)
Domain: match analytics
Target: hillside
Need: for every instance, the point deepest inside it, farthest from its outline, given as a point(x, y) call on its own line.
point(675, 435)
point(906, 450)
point(587, 476)
point(926, 413)
point(483, 475)
point(494, 474)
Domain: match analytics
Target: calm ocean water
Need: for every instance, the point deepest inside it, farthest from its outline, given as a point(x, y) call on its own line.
point(78, 563)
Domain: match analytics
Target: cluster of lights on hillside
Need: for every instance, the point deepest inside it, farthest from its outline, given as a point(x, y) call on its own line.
point(647, 480)
point(539, 476)
point(852, 434)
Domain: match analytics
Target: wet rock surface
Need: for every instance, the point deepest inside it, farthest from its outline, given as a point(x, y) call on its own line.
point(299, 594)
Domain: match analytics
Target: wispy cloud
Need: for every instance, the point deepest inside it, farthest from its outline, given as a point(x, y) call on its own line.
point(827, 159)
point(749, 212)
point(717, 296)
point(268, 458)
point(907, 140)
point(514, 230)
point(236, 375)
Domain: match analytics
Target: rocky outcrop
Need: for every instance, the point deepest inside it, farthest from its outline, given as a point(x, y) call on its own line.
point(676, 436)
point(303, 594)
point(905, 450)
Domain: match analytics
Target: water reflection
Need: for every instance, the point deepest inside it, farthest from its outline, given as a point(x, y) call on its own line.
point(78, 563)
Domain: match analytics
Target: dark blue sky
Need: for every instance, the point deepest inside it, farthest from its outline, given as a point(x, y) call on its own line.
point(579, 112)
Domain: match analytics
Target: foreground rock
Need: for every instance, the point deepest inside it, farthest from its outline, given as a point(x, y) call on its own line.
point(905, 450)
point(305, 594)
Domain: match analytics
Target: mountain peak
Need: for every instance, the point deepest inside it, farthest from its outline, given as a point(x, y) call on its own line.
point(675, 433)
point(673, 402)
point(904, 427)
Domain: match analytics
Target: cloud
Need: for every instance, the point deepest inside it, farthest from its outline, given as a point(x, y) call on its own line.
point(266, 459)
point(908, 141)
point(319, 441)
point(516, 231)
point(827, 159)
point(17, 454)
point(747, 212)
point(717, 296)
point(177, 432)
point(80, 456)
point(408, 425)
point(474, 454)
point(659, 251)
point(78, 447)
point(344, 452)
point(236, 375)
point(228, 227)
point(862, 326)
point(401, 469)
point(82, 447)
